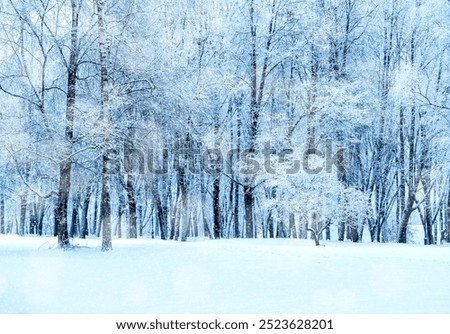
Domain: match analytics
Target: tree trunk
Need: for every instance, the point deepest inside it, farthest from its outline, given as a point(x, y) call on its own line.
point(119, 222)
point(425, 166)
point(95, 225)
point(236, 197)
point(254, 120)
point(174, 223)
point(33, 219)
point(40, 217)
point(183, 212)
point(354, 233)
point(448, 217)
point(132, 208)
point(269, 223)
point(140, 219)
point(249, 205)
point(236, 223)
point(194, 221)
point(84, 216)
point(2, 214)
point(405, 218)
point(402, 176)
point(161, 214)
point(341, 230)
point(412, 182)
point(216, 208)
point(105, 211)
point(281, 228)
point(206, 228)
point(74, 227)
point(314, 235)
point(23, 213)
point(65, 167)
point(292, 227)
point(328, 231)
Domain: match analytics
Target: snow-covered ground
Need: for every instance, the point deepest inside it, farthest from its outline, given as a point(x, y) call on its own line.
point(226, 276)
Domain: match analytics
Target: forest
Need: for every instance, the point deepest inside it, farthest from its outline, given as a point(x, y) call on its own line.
point(322, 119)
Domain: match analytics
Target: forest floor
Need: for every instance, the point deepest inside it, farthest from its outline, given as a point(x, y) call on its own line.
point(225, 276)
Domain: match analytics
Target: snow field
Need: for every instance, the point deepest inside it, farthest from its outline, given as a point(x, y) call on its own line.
point(226, 276)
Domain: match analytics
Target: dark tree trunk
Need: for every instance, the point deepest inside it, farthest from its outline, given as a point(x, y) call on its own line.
point(249, 206)
point(236, 223)
point(236, 197)
point(425, 166)
point(105, 211)
point(405, 218)
point(119, 222)
point(33, 219)
point(2, 214)
point(402, 176)
point(161, 214)
point(216, 208)
point(270, 225)
point(84, 216)
point(40, 218)
point(448, 217)
point(429, 232)
point(61, 208)
point(95, 225)
point(132, 208)
point(314, 235)
point(23, 213)
point(412, 182)
point(65, 167)
point(328, 230)
point(427, 222)
point(183, 212)
point(174, 224)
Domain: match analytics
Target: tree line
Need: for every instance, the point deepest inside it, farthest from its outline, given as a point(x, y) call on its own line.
point(225, 119)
